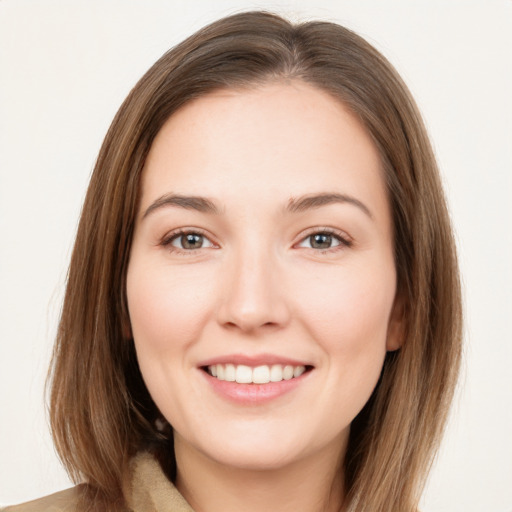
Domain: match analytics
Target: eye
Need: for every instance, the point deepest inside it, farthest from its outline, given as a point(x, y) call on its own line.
point(323, 240)
point(187, 241)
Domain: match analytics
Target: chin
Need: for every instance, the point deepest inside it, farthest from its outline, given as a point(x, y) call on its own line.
point(254, 458)
point(265, 449)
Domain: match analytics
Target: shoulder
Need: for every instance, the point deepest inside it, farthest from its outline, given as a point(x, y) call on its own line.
point(63, 501)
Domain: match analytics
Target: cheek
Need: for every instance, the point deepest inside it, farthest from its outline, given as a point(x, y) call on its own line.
point(166, 308)
point(348, 316)
point(347, 309)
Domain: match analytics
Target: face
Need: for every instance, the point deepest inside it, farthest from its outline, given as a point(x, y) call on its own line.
point(261, 283)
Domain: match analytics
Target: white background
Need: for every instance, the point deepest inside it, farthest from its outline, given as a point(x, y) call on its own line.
point(65, 67)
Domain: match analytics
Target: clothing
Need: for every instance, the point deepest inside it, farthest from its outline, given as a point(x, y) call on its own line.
point(146, 489)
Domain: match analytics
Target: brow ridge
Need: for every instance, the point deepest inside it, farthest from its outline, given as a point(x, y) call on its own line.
point(295, 205)
point(201, 204)
point(308, 202)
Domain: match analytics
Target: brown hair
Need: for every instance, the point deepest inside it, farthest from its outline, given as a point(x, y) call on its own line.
point(101, 412)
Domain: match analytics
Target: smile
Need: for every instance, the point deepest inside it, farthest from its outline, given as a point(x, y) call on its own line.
point(243, 374)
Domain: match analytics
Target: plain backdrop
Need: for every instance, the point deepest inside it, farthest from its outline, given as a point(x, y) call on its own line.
point(66, 66)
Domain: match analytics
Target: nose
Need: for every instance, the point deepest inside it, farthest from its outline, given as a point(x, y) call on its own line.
point(253, 296)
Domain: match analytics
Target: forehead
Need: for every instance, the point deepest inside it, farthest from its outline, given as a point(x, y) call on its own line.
point(279, 139)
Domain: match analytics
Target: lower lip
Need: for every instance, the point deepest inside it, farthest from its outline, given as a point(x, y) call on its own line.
point(254, 393)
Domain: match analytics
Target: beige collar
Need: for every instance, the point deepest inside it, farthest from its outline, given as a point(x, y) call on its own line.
point(149, 490)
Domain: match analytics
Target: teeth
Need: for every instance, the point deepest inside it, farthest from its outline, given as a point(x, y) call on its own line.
point(259, 375)
point(298, 371)
point(230, 373)
point(243, 374)
point(288, 372)
point(276, 373)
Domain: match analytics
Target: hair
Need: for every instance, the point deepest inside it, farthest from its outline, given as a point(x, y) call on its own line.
point(101, 413)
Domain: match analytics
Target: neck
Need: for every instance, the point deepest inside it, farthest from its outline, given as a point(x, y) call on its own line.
point(312, 484)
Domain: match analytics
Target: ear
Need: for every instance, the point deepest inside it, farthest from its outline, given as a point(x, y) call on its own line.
point(396, 325)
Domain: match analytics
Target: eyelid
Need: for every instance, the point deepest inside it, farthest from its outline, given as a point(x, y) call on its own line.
point(344, 238)
point(169, 237)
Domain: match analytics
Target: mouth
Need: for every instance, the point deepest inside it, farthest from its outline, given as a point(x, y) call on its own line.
point(263, 374)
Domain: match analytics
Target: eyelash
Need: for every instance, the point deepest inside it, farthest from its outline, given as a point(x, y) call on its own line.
point(167, 241)
point(342, 238)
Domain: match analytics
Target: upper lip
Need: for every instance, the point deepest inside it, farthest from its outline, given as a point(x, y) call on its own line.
point(253, 360)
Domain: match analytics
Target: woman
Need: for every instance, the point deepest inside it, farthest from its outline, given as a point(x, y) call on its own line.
point(263, 305)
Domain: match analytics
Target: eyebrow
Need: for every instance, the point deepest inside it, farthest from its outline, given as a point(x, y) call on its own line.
point(300, 204)
point(200, 204)
point(295, 205)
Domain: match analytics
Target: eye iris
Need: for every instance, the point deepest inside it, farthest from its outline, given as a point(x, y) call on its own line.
point(321, 241)
point(191, 241)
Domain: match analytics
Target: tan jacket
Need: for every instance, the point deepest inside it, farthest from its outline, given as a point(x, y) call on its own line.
point(148, 490)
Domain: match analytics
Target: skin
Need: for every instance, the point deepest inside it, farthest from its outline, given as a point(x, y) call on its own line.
point(259, 286)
